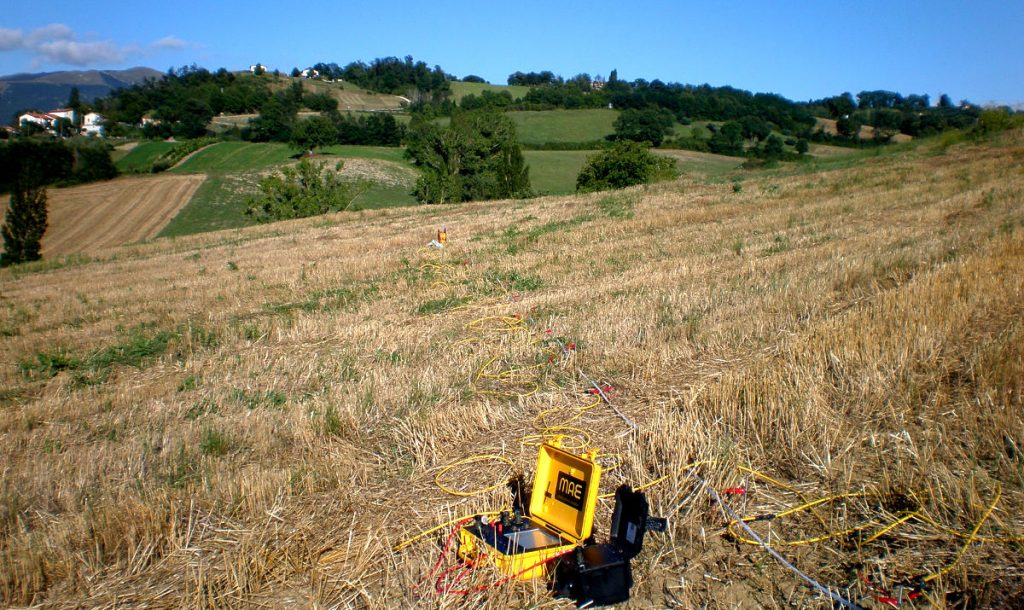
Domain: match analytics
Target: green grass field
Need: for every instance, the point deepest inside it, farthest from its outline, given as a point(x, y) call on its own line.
point(539, 127)
point(553, 172)
point(234, 168)
point(546, 126)
point(142, 156)
point(225, 157)
point(214, 206)
point(461, 90)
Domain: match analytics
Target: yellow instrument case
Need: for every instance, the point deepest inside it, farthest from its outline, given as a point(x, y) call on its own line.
point(562, 504)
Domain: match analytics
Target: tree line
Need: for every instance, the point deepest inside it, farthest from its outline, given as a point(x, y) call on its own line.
point(46, 162)
point(183, 101)
point(389, 75)
point(889, 113)
point(279, 121)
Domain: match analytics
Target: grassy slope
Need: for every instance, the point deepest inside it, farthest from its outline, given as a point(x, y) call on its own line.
point(540, 127)
point(553, 172)
point(225, 157)
point(233, 168)
point(246, 413)
point(142, 156)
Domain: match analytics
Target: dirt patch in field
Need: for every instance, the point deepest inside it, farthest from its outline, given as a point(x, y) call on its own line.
point(692, 155)
point(827, 150)
point(383, 172)
point(101, 215)
point(378, 171)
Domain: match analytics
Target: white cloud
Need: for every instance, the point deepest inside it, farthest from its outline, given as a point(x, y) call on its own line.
point(169, 42)
point(79, 53)
point(11, 39)
point(47, 33)
point(57, 43)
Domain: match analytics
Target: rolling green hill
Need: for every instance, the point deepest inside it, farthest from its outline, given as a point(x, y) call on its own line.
point(553, 172)
point(140, 158)
point(233, 169)
point(537, 128)
point(225, 157)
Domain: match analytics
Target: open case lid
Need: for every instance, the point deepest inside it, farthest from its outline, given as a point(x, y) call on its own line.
point(565, 491)
point(629, 521)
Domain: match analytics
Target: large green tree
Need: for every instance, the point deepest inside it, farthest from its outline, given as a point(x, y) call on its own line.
point(773, 147)
point(307, 189)
point(625, 163)
point(848, 127)
point(275, 122)
point(476, 157)
point(728, 139)
point(644, 125)
point(314, 132)
point(886, 123)
point(755, 128)
point(840, 105)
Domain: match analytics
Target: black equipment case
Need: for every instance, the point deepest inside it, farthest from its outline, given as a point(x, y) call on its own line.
point(600, 574)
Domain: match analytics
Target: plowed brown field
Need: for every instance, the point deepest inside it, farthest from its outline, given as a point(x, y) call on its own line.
point(95, 216)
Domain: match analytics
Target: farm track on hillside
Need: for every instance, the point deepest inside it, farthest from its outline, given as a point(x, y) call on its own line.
point(88, 218)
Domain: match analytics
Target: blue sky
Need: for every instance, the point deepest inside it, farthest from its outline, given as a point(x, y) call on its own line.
point(802, 50)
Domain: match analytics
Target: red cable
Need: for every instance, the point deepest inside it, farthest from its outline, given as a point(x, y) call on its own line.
point(447, 545)
point(469, 566)
point(466, 569)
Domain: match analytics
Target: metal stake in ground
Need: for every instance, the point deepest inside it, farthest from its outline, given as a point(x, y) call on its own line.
point(604, 397)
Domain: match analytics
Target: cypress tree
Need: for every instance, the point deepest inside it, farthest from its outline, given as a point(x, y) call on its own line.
point(24, 224)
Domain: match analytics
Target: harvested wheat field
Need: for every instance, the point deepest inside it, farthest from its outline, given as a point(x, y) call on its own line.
point(92, 217)
point(282, 415)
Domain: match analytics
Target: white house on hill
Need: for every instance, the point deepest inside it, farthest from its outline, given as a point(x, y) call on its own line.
point(92, 124)
point(64, 113)
point(41, 119)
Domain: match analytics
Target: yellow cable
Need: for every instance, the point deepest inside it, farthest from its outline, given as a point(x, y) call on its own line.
point(885, 530)
point(470, 460)
point(970, 539)
point(408, 541)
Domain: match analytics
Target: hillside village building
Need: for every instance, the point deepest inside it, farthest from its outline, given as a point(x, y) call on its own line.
point(92, 123)
point(42, 119)
point(64, 113)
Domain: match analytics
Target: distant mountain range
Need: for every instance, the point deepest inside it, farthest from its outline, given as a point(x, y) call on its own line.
point(49, 90)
